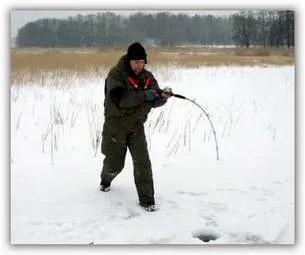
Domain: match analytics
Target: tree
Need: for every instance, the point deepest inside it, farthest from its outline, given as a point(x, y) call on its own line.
point(36, 34)
point(289, 28)
point(262, 26)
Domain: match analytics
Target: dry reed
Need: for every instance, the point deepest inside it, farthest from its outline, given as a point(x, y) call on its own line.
point(80, 61)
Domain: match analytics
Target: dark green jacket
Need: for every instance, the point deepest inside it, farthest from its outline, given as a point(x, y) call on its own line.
point(125, 105)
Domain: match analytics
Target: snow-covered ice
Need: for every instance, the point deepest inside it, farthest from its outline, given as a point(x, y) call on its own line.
point(247, 197)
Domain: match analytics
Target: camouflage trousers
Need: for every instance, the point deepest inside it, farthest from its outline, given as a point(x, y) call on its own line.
point(114, 147)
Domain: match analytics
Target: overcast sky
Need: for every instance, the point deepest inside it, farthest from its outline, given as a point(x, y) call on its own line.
point(18, 18)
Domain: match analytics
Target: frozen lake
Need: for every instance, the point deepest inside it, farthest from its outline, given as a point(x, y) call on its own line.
point(247, 197)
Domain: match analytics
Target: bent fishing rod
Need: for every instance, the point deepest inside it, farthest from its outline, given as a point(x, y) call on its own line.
point(206, 114)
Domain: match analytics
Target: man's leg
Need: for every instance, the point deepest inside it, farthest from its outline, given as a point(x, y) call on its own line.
point(114, 148)
point(142, 167)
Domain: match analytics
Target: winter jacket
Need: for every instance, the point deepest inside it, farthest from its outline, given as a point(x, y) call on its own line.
point(125, 105)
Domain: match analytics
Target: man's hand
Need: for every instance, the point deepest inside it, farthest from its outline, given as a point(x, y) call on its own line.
point(167, 92)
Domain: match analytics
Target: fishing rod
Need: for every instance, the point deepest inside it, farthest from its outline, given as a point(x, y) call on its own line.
point(206, 114)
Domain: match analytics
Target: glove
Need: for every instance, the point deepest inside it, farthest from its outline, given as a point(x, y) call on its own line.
point(167, 90)
point(151, 95)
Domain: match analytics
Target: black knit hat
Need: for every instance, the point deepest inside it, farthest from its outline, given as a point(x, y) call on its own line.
point(136, 52)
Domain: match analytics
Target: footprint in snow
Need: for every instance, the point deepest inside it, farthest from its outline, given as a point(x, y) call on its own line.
point(243, 238)
point(218, 207)
point(132, 211)
point(192, 193)
point(210, 220)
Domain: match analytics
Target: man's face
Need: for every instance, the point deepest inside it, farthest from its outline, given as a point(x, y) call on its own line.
point(137, 66)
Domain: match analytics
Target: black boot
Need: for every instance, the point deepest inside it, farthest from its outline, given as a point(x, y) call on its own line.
point(149, 207)
point(105, 187)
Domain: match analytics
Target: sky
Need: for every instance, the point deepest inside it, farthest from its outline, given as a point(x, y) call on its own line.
point(19, 17)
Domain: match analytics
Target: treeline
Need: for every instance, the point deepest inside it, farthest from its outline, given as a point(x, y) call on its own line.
point(267, 28)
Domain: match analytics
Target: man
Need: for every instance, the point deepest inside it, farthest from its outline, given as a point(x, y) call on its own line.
point(130, 93)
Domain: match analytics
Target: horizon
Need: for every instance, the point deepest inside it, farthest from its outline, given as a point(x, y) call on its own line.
point(18, 18)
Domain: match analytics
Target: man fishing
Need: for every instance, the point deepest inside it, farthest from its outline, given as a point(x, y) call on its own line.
point(130, 93)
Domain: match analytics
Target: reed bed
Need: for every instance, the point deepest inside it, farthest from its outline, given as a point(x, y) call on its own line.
point(34, 61)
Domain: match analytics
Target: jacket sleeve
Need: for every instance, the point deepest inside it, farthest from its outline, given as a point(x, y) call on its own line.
point(161, 100)
point(121, 96)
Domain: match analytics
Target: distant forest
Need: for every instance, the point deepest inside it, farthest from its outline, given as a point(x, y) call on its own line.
point(267, 28)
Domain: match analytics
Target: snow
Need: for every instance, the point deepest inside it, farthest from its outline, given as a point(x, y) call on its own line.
point(247, 197)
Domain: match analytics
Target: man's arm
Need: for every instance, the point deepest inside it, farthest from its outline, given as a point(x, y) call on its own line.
point(121, 96)
point(161, 100)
